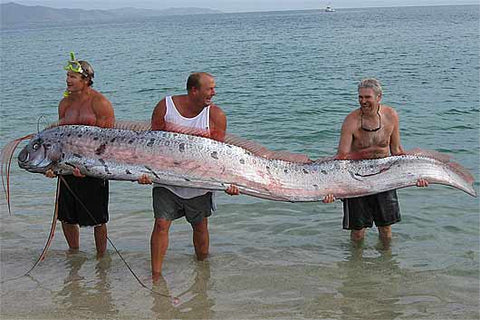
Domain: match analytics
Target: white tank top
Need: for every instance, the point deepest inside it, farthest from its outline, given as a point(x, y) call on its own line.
point(200, 121)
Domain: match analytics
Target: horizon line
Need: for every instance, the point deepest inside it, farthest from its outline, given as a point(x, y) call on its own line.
point(228, 11)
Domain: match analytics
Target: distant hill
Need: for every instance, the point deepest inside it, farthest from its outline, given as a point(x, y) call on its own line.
point(14, 13)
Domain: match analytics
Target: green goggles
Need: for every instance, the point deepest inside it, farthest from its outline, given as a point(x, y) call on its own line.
point(75, 66)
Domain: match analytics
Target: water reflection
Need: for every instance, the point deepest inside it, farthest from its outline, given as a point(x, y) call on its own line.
point(194, 303)
point(79, 296)
point(371, 282)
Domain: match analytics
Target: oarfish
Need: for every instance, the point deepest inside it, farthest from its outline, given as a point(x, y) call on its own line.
point(185, 160)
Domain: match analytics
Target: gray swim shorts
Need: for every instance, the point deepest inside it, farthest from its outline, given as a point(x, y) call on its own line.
point(169, 206)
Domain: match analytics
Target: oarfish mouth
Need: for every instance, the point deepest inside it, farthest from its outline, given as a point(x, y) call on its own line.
point(23, 156)
point(33, 164)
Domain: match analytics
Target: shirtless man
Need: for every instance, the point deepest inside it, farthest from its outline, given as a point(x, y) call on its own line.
point(84, 106)
point(193, 110)
point(370, 132)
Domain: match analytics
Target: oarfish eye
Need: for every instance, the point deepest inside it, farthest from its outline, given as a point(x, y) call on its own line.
point(35, 146)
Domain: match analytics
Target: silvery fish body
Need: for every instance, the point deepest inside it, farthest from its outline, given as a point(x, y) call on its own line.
point(192, 161)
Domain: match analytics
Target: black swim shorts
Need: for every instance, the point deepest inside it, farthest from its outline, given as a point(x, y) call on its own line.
point(92, 192)
point(169, 206)
point(361, 212)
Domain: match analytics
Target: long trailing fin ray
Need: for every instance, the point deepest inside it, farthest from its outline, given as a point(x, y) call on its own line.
point(44, 118)
point(52, 231)
point(49, 239)
point(6, 159)
point(5, 155)
point(65, 183)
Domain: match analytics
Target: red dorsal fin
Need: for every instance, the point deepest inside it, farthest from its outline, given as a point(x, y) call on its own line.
point(133, 125)
point(444, 158)
point(254, 147)
point(261, 151)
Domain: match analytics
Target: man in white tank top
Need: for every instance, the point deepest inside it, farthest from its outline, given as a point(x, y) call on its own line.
point(192, 110)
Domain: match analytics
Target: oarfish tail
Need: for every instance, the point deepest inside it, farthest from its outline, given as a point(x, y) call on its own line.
point(466, 181)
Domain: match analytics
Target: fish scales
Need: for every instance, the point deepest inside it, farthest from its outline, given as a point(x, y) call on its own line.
point(192, 161)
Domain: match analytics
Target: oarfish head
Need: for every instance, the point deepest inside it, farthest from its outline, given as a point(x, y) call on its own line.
point(39, 155)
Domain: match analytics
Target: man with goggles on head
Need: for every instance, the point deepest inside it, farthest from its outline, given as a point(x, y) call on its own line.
point(81, 67)
point(82, 105)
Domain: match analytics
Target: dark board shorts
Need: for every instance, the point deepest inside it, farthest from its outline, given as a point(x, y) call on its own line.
point(381, 208)
point(92, 193)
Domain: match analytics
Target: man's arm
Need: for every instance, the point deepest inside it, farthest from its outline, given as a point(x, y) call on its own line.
point(346, 140)
point(396, 148)
point(105, 116)
point(218, 123)
point(62, 108)
point(158, 116)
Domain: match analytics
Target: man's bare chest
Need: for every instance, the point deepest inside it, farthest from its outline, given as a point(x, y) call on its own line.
point(79, 114)
point(363, 139)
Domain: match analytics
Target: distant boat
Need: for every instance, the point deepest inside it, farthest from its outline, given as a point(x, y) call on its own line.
point(329, 9)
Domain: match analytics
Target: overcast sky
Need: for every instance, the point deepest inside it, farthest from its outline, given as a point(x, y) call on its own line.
point(236, 5)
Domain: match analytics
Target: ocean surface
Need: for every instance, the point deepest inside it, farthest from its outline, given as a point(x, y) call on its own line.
point(285, 80)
